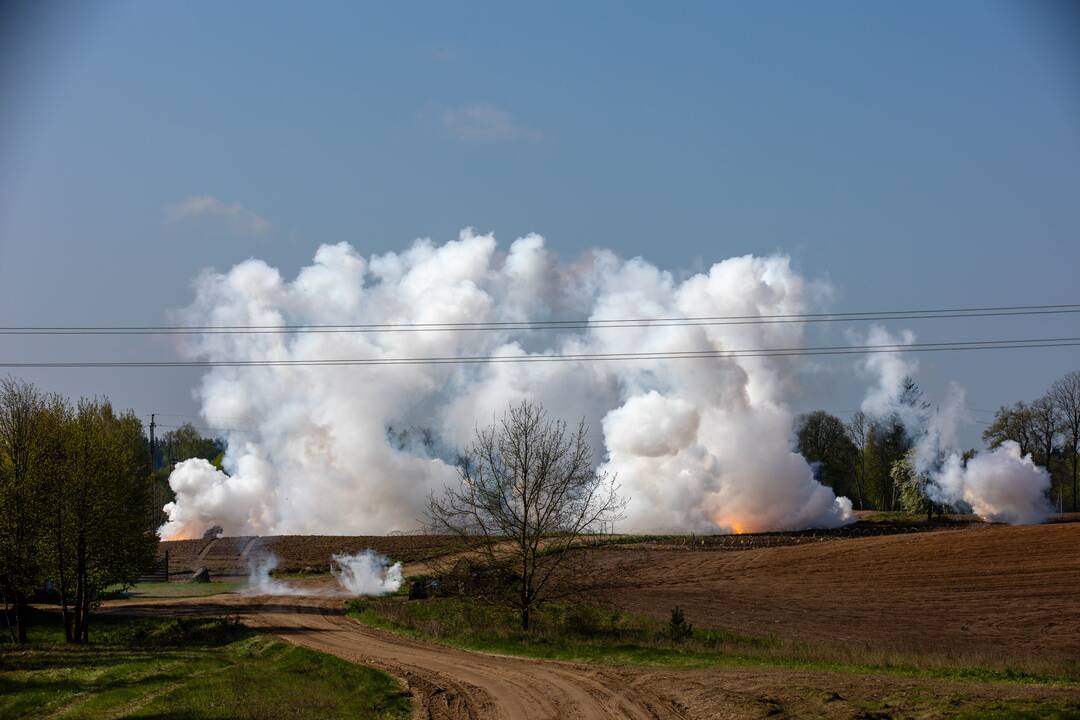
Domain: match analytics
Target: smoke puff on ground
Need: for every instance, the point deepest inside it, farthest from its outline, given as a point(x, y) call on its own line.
point(700, 445)
point(365, 573)
point(1000, 486)
point(260, 582)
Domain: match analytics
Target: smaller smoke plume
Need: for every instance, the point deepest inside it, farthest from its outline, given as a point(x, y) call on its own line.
point(887, 369)
point(260, 582)
point(1000, 486)
point(367, 573)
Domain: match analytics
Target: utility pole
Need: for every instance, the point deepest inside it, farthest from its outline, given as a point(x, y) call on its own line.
point(153, 453)
point(155, 500)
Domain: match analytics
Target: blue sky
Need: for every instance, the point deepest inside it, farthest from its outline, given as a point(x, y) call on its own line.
point(915, 154)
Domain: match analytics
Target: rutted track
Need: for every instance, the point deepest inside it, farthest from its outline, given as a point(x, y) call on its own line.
point(447, 683)
point(997, 591)
point(454, 683)
point(450, 684)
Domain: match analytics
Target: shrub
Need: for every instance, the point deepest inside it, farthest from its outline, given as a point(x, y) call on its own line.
point(583, 620)
point(357, 605)
point(678, 628)
point(422, 587)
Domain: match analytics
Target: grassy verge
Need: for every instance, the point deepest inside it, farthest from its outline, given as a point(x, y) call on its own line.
point(585, 633)
point(176, 589)
point(185, 668)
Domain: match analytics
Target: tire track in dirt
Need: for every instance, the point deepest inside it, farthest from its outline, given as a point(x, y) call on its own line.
point(448, 684)
point(454, 684)
point(1001, 590)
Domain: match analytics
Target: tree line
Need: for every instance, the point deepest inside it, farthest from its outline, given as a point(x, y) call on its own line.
point(176, 445)
point(74, 504)
point(868, 459)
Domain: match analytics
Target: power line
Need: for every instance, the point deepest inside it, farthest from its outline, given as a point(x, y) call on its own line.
point(205, 429)
point(199, 418)
point(576, 324)
point(582, 357)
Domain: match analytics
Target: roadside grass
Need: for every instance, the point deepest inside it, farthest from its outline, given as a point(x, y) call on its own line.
point(588, 633)
point(175, 589)
point(1021, 710)
point(201, 668)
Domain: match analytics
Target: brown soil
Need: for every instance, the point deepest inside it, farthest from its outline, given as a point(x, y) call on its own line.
point(229, 556)
point(993, 590)
point(989, 591)
point(454, 684)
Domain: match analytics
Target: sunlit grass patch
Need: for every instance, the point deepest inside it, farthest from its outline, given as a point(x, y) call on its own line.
point(190, 668)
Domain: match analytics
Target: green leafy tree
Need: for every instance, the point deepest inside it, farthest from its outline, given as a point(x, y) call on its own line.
point(101, 536)
point(175, 446)
point(186, 442)
point(888, 442)
point(890, 439)
point(21, 566)
point(913, 488)
point(823, 440)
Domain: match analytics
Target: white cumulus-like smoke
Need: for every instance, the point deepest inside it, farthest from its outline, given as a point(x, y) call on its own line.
point(701, 444)
point(999, 485)
point(261, 583)
point(365, 573)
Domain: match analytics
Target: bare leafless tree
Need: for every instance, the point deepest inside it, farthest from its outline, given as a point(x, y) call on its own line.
point(528, 494)
point(1066, 395)
point(1045, 429)
point(1012, 422)
point(859, 431)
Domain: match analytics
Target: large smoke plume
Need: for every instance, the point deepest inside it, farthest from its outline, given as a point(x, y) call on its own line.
point(701, 445)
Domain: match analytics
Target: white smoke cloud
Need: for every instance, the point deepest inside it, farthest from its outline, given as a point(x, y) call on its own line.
point(698, 444)
point(888, 369)
point(365, 573)
point(260, 582)
point(999, 485)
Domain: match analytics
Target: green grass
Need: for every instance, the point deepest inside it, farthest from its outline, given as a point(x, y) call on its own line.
point(1021, 710)
point(586, 633)
point(193, 668)
point(176, 589)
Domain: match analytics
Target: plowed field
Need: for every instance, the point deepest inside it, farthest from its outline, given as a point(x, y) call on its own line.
point(989, 591)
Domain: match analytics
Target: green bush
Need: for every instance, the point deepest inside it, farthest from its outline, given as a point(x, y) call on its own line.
point(678, 628)
point(585, 620)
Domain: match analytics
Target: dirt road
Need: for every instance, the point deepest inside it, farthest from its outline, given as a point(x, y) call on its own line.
point(453, 684)
point(993, 592)
point(445, 682)
point(457, 684)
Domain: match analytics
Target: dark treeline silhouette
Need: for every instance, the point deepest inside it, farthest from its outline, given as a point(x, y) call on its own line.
point(1048, 428)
